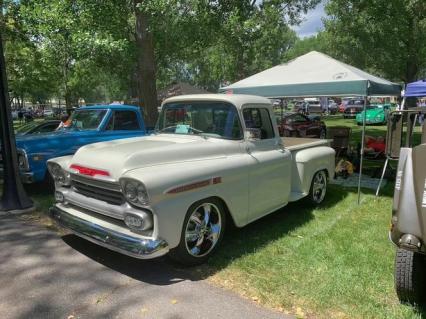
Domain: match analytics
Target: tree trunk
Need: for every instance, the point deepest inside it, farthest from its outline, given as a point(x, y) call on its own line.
point(68, 104)
point(146, 77)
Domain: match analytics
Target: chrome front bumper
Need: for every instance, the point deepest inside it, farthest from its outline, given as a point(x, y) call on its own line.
point(26, 177)
point(100, 234)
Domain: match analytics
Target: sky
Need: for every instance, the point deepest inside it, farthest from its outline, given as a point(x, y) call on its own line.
point(312, 22)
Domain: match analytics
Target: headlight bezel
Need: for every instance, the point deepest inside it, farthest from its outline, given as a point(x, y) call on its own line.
point(59, 174)
point(21, 154)
point(134, 192)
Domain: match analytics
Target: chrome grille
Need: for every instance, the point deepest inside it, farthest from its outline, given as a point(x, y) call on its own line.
point(101, 190)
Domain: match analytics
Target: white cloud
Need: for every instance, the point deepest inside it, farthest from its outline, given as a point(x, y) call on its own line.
point(311, 22)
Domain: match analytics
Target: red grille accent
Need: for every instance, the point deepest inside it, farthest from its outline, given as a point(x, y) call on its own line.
point(89, 171)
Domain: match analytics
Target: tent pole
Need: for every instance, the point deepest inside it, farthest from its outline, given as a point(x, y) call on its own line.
point(364, 119)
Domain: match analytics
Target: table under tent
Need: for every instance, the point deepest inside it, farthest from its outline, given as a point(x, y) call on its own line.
point(315, 75)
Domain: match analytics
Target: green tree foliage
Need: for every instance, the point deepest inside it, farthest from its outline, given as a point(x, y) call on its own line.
point(319, 42)
point(235, 39)
point(68, 48)
point(388, 37)
point(95, 50)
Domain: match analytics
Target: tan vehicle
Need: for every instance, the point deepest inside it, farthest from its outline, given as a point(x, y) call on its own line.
point(408, 224)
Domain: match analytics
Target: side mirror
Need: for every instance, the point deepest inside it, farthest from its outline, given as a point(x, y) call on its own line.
point(253, 134)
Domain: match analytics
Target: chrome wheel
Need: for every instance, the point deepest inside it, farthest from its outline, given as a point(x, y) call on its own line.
point(319, 187)
point(203, 230)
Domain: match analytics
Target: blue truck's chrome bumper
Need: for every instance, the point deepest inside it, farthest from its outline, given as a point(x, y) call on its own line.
point(134, 246)
point(26, 177)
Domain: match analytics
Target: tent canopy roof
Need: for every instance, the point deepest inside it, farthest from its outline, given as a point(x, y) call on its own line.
point(416, 89)
point(313, 74)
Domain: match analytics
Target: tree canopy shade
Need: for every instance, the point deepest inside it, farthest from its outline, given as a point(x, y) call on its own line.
point(313, 74)
point(416, 89)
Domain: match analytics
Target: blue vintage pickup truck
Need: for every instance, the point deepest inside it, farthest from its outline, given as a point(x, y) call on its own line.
point(87, 125)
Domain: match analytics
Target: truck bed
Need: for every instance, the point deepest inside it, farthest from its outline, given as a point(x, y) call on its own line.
point(298, 143)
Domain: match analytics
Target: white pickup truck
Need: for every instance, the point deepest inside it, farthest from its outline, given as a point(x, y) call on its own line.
point(214, 160)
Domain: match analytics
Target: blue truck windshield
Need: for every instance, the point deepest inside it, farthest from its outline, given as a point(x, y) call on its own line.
point(86, 119)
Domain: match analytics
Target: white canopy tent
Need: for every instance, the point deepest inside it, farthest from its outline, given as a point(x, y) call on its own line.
point(315, 74)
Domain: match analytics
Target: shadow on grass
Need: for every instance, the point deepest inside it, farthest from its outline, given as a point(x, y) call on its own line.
point(246, 240)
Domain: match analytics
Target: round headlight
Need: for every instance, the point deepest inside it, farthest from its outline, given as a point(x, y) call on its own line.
point(130, 192)
point(134, 192)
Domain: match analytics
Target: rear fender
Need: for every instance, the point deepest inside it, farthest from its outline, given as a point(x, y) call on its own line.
point(309, 161)
point(409, 202)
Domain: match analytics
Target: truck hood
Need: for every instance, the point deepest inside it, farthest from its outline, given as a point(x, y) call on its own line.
point(119, 156)
point(44, 142)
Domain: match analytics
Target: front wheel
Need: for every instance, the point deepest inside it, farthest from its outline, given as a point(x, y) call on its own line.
point(410, 268)
point(202, 232)
point(318, 188)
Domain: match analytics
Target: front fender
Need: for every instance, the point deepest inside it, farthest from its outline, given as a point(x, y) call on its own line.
point(173, 188)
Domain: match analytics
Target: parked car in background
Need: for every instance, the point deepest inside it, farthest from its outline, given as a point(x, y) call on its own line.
point(353, 107)
point(86, 125)
point(215, 160)
point(298, 105)
point(300, 125)
point(348, 101)
point(37, 127)
point(48, 113)
point(375, 114)
point(310, 106)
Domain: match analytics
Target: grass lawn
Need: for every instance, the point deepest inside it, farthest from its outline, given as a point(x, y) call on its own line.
point(334, 261)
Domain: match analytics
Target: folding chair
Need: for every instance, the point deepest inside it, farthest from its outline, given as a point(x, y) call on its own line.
point(340, 136)
point(393, 142)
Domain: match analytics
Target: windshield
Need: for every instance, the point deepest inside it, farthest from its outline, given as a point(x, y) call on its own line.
point(86, 119)
point(25, 128)
point(214, 119)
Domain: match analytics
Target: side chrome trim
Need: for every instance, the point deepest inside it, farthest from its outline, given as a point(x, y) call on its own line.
point(133, 246)
point(194, 185)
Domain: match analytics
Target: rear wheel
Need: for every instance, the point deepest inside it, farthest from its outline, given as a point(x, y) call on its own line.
point(410, 276)
point(202, 232)
point(318, 188)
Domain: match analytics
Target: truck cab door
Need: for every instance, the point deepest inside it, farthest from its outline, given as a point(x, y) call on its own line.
point(122, 124)
point(269, 164)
